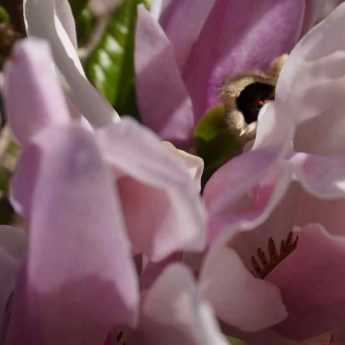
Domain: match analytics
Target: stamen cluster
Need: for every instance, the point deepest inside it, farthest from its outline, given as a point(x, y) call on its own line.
point(264, 264)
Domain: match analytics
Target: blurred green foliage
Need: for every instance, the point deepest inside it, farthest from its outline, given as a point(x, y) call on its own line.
point(83, 18)
point(110, 66)
point(78, 6)
point(4, 16)
point(213, 142)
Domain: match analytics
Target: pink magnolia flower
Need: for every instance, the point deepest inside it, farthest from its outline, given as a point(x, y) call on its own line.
point(282, 214)
point(91, 200)
point(186, 49)
point(192, 83)
point(79, 285)
point(157, 193)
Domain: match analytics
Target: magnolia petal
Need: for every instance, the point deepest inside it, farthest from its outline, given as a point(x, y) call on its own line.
point(193, 164)
point(274, 131)
point(164, 103)
point(186, 319)
point(313, 10)
point(296, 208)
point(310, 84)
point(80, 280)
point(157, 193)
point(157, 7)
point(24, 181)
point(152, 270)
point(31, 77)
point(312, 283)
point(238, 298)
point(323, 176)
point(12, 251)
point(316, 10)
point(228, 44)
point(244, 191)
point(65, 16)
point(182, 22)
point(42, 20)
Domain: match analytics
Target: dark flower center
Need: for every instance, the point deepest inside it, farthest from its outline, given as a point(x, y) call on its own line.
point(264, 263)
point(252, 98)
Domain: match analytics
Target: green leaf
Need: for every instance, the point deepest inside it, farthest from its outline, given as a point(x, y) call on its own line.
point(110, 66)
point(84, 22)
point(77, 6)
point(213, 142)
point(4, 16)
point(83, 18)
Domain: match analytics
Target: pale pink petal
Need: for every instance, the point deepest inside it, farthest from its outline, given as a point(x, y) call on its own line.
point(182, 21)
point(158, 6)
point(274, 130)
point(238, 298)
point(65, 16)
point(164, 102)
point(243, 192)
point(152, 270)
point(33, 97)
point(296, 208)
point(305, 208)
point(186, 319)
point(161, 202)
point(42, 20)
point(312, 283)
point(193, 164)
point(79, 280)
point(323, 176)
point(239, 36)
point(310, 87)
point(24, 181)
point(313, 9)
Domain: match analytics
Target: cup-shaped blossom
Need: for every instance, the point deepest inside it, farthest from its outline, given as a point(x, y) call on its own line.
point(78, 284)
point(91, 200)
point(283, 211)
point(157, 193)
point(186, 49)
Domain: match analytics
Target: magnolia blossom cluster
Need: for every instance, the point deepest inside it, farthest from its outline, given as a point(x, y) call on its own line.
point(120, 244)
